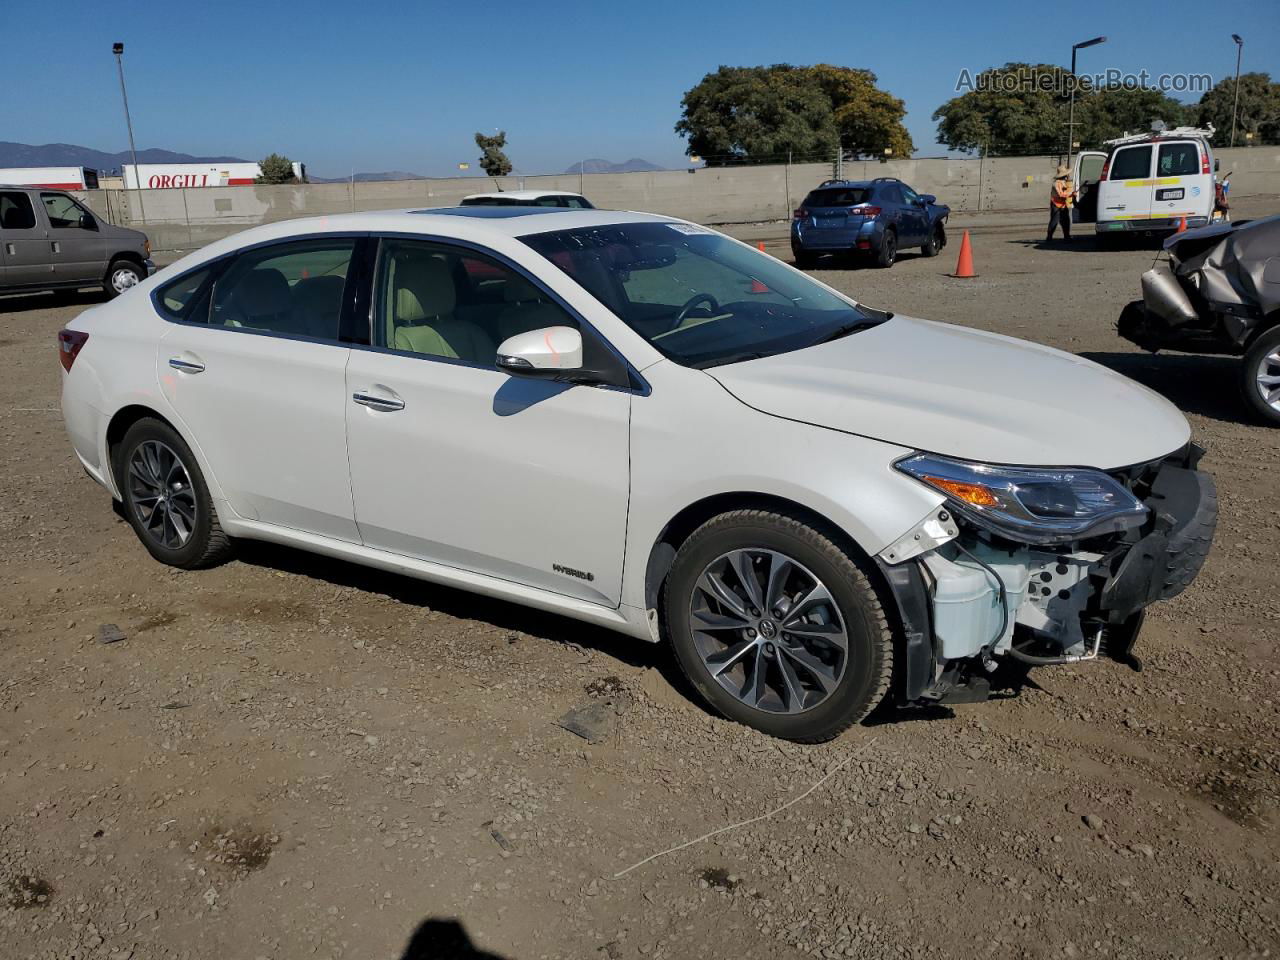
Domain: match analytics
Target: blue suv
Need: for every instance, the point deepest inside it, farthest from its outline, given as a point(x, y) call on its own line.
point(874, 218)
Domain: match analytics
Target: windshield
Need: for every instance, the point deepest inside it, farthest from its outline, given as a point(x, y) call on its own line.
point(699, 297)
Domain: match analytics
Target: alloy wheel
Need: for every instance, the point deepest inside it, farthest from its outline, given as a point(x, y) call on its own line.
point(768, 631)
point(163, 499)
point(1267, 377)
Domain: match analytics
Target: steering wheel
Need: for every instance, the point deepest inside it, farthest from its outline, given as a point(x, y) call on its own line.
point(690, 304)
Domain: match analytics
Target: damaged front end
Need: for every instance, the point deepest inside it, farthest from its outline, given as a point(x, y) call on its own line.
point(1040, 566)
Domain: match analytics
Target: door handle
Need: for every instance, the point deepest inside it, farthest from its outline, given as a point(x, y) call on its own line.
point(374, 402)
point(186, 366)
point(57, 247)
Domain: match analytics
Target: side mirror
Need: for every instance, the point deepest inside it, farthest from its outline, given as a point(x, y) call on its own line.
point(927, 198)
point(87, 222)
point(548, 353)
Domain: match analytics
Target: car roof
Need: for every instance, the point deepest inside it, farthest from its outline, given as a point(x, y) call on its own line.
point(522, 194)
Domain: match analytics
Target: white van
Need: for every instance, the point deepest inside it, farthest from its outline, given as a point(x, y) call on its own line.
point(1147, 182)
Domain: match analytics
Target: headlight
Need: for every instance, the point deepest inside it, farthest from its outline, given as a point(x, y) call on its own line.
point(1028, 504)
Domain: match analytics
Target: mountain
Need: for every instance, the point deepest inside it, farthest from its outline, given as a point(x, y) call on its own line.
point(71, 155)
point(634, 165)
point(368, 177)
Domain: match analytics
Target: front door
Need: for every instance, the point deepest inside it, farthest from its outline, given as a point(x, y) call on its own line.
point(27, 257)
point(79, 252)
point(1086, 175)
point(457, 463)
point(915, 219)
point(255, 371)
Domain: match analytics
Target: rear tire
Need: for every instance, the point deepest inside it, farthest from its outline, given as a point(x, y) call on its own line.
point(937, 240)
point(819, 598)
point(887, 255)
point(1260, 377)
point(804, 259)
point(121, 276)
point(166, 499)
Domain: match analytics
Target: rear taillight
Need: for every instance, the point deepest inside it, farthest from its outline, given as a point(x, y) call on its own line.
point(70, 342)
point(800, 214)
point(1204, 161)
point(1106, 167)
point(864, 211)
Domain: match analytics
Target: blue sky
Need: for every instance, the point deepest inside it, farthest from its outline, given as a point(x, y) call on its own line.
point(404, 86)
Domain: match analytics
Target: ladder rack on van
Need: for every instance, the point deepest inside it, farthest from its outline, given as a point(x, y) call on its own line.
point(1195, 133)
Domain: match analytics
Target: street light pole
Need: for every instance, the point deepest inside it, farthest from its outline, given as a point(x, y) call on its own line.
point(1235, 106)
point(118, 50)
point(1071, 112)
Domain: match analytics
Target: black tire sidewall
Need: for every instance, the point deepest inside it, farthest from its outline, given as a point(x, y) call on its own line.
point(190, 554)
point(1263, 345)
point(888, 254)
point(853, 595)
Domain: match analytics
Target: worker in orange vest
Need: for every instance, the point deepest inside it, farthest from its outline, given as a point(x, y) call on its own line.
point(1061, 195)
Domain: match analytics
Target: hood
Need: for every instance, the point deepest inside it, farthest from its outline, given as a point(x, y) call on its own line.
point(964, 393)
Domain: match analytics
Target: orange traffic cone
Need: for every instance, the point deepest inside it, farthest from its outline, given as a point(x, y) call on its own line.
point(1182, 225)
point(964, 264)
point(757, 286)
point(760, 246)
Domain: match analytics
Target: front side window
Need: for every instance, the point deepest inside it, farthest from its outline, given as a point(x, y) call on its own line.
point(1131, 163)
point(290, 288)
point(16, 211)
point(61, 210)
point(909, 195)
point(435, 300)
point(1178, 160)
point(697, 296)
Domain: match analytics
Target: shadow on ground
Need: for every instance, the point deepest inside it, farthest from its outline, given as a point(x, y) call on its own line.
point(438, 939)
point(21, 303)
point(1208, 386)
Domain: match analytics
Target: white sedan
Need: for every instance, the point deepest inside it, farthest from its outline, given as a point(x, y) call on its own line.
point(644, 424)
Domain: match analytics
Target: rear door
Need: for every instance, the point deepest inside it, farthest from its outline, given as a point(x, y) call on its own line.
point(1179, 188)
point(78, 251)
point(24, 239)
point(1126, 193)
point(1087, 174)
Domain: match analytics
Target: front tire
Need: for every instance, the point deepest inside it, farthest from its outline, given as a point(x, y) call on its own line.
point(777, 627)
point(1261, 377)
point(166, 499)
point(121, 276)
point(937, 240)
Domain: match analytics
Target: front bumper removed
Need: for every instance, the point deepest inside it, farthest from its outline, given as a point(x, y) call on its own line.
point(976, 598)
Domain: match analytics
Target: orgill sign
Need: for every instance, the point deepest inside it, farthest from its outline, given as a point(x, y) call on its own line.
point(170, 176)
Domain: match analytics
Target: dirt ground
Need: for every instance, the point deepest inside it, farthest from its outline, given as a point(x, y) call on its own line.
point(294, 757)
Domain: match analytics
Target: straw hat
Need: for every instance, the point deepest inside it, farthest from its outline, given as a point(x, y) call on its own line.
point(1063, 171)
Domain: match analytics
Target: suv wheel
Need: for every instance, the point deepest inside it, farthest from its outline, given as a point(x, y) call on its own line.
point(937, 240)
point(1261, 376)
point(888, 252)
point(804, 259)
point(166, 500)
point(777, 627)
point(122, 275)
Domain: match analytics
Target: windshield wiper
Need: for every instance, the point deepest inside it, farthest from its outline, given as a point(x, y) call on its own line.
point(846, 329)
point(728, 358)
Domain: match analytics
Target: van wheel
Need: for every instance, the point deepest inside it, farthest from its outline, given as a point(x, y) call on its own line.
point(122, 275)
point(937, 240)
point(1261, 377)
point(777, 627)
point(166, 500)
point(888, 252)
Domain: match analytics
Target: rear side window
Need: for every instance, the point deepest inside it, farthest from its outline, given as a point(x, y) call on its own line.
point(1131, 163)
point(289, 288)
point(1178, 160)
point(837, 197)
point(16, 211)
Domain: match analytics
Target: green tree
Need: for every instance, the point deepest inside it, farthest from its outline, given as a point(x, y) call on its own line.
point(1114, 111)
point(1259, 111)
point(493, 159)
point(742, 113)
point(1014, 109)
point(275, 168)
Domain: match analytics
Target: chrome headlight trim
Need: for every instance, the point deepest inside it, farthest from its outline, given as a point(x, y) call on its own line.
point(1039, 505)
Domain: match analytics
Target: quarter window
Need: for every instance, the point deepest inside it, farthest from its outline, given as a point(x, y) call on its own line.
point(1131, 163)
point(16, 212)
point(179, 299)
point(440, 301)
point(292, 288)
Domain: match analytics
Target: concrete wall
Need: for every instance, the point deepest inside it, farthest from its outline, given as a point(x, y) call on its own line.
point(189, 219)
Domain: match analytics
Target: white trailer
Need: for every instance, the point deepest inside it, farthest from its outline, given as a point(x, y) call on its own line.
point(55, 178)
point(170, 176)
